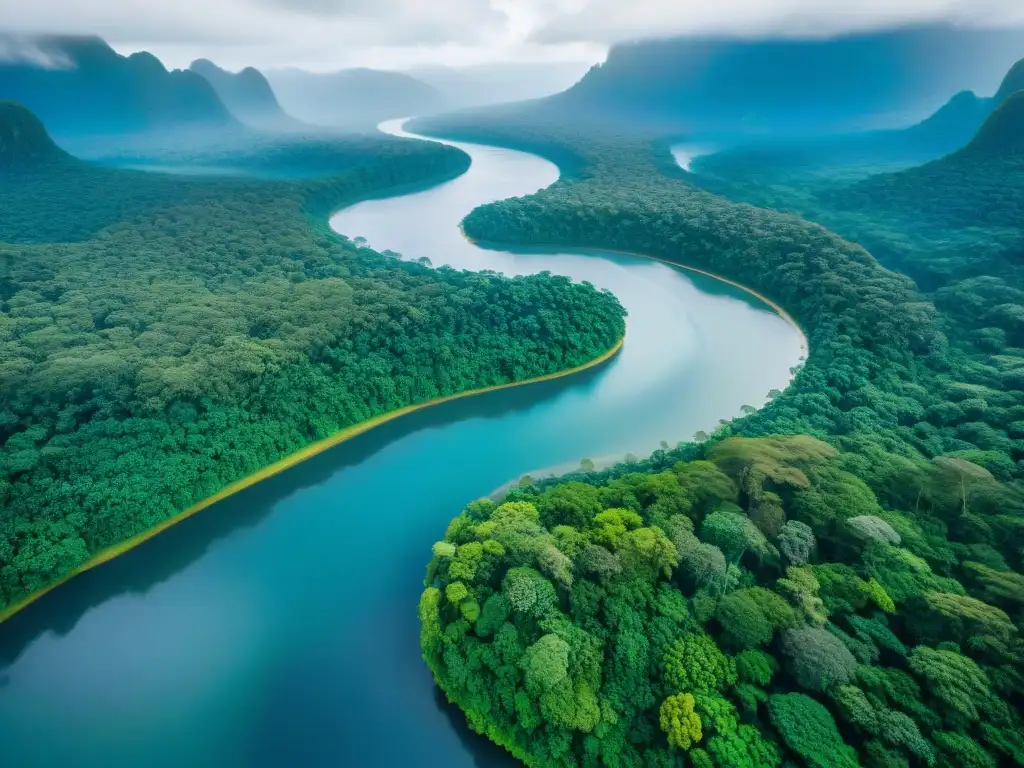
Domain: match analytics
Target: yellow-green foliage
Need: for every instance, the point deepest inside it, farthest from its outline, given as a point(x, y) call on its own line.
point(680, 723)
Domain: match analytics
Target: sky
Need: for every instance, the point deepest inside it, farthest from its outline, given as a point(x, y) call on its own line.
point(324, 35)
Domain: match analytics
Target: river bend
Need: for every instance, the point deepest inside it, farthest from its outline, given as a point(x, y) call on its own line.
point(278, 628)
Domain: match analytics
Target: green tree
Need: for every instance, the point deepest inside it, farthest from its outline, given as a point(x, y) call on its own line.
point(694, 663)
point(808, 729)
point(750, 617)
point(954, 680)
point(679, 722)
point(796, 542)
point(816, 658)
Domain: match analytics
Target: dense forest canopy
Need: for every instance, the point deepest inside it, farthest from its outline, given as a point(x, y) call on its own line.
point(162, 336)
point(824, 582)
point(747, 602)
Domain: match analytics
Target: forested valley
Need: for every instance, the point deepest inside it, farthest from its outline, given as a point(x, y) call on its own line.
point(162, 336)
point(834, 580)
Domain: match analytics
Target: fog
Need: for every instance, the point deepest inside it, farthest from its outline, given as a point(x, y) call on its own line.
point(326, 35)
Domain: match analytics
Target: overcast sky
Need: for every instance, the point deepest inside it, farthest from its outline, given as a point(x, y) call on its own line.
point(328, 34)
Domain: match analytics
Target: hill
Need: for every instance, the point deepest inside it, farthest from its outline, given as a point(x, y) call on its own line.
point(980, 185)
point(247, 94)
point(956, 122)
point(1003, 132)
point(88, 88)
point(352, 98)
point(729, 87)
point(24, 143)
point(1013, 82)
point(950, 128)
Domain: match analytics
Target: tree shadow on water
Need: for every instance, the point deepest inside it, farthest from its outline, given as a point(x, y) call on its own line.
point(159, 559)
point(486, 754)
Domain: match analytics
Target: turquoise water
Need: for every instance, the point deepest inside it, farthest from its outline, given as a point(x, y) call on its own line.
point(279, 628)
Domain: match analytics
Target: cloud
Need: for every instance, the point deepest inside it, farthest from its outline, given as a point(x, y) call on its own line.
point(326, 34)
point(23, 49)
point(611, 21)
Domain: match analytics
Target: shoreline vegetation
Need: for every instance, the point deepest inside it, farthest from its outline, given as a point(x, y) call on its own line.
point(777, 308)
point(192, 433)
point(800, 587)
point(289, 461)
point(606, 462)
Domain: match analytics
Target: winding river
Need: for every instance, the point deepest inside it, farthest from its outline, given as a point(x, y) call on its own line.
point(279, 628)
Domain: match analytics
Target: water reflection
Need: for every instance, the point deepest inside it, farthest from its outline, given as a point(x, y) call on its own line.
point(139, 570)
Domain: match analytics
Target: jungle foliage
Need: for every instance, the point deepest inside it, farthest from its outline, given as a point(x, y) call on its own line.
point(744, 602)
point(824, 582)
point(162, 336)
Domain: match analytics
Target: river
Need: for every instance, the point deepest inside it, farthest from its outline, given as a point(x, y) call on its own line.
point(278, 628)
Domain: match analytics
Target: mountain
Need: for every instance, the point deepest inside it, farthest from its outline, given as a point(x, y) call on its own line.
point(1003, 132)
point(501, 82)
point(80, 85)
point(981, 185)
point(1013, 82)
point(729, 87)
point(956, 122)
point(247, 94)
point(946, 131)
point(953, 124)
point(24, 143)
point(353, 98)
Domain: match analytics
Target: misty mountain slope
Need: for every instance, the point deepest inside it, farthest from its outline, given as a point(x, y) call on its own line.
point(733, 87)
point(980, 185)
point(951, 127)
point(356, 99)
point(88, 88)
point(48, 195)
point(247, 94)
point(1003, 132)
point(1013, 82)
point(24, 143)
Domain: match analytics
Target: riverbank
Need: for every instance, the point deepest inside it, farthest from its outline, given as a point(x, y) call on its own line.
point(288, 462)
point(607, 461)
point(561, 247)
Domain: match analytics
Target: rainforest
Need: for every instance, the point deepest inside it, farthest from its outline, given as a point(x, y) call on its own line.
point(805, 584)
point(185, 334)
point(741, 480)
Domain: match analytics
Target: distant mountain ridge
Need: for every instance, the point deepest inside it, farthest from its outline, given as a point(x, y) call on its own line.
point(981, 185)
point(352, 98)
point(95, 90)
point(24, 143)
point(247, 95)
point(959, 119)
point(709, 86)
